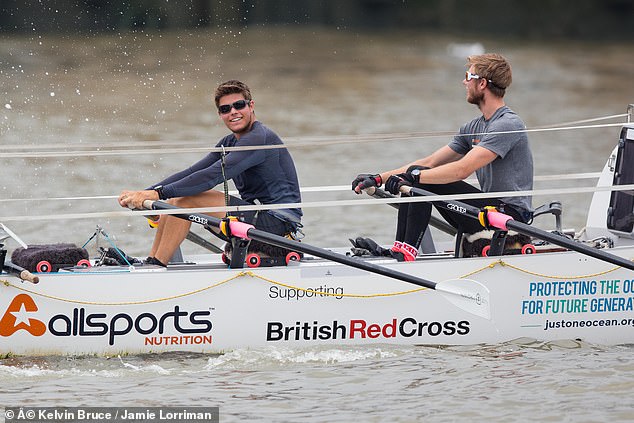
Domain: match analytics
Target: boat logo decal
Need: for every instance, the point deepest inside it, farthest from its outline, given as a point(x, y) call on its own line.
point(175, 326)
point(360, 328)
point(18, 317)
point(198, 219)
point(456, 208)
point(297, 294)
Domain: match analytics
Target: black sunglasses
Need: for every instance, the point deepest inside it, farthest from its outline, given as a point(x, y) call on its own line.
point(238, 105)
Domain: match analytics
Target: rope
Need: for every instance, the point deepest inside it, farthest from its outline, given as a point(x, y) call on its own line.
point(313, 204)
point(202, 144)
point(319, 189)
point(529, 272)
point(197, 291)
point(242, 274)
point(307, 142)
point(576, 122)
point(156, 300)
point(95, 236)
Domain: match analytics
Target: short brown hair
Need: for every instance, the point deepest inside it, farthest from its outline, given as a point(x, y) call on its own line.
point(232, 87)
point(494, 67)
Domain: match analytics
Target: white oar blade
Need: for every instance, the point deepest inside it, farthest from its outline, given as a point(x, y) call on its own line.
point(467, 294)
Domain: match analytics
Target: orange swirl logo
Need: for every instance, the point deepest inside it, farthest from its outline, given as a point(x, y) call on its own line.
point(17, 317)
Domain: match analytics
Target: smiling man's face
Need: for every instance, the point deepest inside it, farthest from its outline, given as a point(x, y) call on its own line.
point(238, 120)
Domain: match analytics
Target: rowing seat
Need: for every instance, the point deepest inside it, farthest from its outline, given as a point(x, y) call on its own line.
point(499, 242)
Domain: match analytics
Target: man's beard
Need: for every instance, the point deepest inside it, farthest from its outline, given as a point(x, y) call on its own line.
point(475, 98)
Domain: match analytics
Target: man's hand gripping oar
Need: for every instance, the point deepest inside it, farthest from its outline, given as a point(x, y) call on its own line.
point(467, 294)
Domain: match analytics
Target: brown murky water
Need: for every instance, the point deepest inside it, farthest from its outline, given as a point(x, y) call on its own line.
point(156, 87)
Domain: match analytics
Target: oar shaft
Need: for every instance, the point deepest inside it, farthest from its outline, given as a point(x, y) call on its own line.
point(336, 257)
point(505, 222)
point(245, 230)
point(451, 205)
point(570, 244)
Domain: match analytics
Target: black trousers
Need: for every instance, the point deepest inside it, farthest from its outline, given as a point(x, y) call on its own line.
point(413, 218)
point(261, 220)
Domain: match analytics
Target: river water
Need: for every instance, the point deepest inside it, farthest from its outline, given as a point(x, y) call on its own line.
point(147, 91)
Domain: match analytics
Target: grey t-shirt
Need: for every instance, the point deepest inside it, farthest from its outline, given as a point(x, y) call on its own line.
point(512, 170)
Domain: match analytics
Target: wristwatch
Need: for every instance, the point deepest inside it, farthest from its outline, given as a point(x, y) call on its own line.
point(416, 174)
point(159, 191)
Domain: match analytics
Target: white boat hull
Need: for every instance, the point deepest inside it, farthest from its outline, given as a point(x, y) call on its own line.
point(209, 308)
point(111, 310)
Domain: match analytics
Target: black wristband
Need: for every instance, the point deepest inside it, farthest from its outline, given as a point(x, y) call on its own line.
point(159, 191)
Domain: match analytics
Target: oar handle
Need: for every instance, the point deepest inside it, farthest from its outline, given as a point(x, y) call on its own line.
point(21, 272)
point(373, 192)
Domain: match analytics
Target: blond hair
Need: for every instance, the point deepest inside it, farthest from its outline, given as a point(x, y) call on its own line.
point(495, 69)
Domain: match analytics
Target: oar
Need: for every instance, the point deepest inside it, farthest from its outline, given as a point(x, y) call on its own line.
point(20, 272)
point(433, 220)
point(506, 222)
point(467, 294)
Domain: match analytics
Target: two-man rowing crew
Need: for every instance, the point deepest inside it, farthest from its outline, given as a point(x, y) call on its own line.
point(498, 152)
point(502, 162)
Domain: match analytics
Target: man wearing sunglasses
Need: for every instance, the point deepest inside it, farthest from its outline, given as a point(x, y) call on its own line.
point(494, 146)
point(261, 175)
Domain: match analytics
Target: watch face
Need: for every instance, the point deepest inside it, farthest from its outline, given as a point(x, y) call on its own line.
point(415, 172)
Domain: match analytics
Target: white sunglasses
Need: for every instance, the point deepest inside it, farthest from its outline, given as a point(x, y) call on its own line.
point(468, 76)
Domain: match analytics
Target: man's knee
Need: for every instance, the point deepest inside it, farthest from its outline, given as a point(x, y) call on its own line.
point(209, 198)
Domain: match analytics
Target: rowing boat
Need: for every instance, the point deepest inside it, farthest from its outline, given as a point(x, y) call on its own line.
point(569, 289)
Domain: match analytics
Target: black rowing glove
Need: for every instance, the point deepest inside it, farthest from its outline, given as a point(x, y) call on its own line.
point(395, 182)
point(366, 180)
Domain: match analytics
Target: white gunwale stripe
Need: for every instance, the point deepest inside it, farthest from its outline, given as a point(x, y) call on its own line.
point(312, 204)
